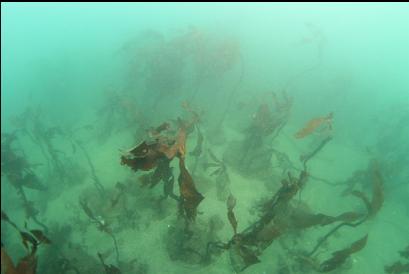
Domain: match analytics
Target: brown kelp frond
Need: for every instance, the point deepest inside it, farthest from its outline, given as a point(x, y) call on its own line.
point(220, 167)
point(109, 269)
point(231, 203)
point(39, 235)
point(143, 157)
point(375, 204)
point(271, 223)
point(28, 264)
point(157, 131)
point(5, 217)
point(178, 147)
point(405, 253)
point(377, 190)
point(241, 257)
point(340, 256)
point(161, 172)
point(7, 265)
point(190, 197)
point(314, 124)
point(303, 220)
point(397, 268)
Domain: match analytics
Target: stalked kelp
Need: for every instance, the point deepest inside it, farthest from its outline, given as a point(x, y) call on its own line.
point(190, 198)
point(339, 257)
point(30, 239)
point(398, 267)
point(101, 224)
point(219, 170)
point(253, 154)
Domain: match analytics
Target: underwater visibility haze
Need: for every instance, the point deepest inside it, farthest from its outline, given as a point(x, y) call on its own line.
point(204, 138)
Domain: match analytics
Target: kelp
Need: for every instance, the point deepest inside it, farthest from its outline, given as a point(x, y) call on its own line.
point(121, 192)
point(245, 246)
point(102, 225)
point(314, 124)
point(94, 176)
point(241, 257)
point(16, 168)
point(143, 156)
point(31, 240)
point(303, 220)
point(372, 206)
point(340, 256)
point(5, 217)
point(162, 172)
point(190, 198)
point(26, 265)
point(305, 158)
point(109, 269)
point(231, 203)
point(277, 217)
point(399, 267)
point(221, 174)
point(405, 253)
point(375, 204)
point(156, 132)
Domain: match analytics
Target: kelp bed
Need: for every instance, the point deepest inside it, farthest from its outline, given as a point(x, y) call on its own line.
point(282, 215)
point(170, 184)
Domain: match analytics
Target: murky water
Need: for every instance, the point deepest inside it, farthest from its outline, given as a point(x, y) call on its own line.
point(204, 138)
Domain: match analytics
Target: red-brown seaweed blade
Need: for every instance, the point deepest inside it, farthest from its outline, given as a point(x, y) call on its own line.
point(339, 257)
point(190, 196)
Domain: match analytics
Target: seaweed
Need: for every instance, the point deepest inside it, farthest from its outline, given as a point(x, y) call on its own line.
point(405, 253)
point(221, 174)
point(241, 257)
point(305, 158)
point(314, 124)
point(190, 198)
point(30, 240)
point(109, 269)
point(231, 203)
point(162, 172)
point(397, 268)
point(156, 132)
point(375, 204)
point(102, 225)
point(142, 157)
point(16, 168)
point(372, 206)
point(340, 256)
point(39, 235)
point(95, 178)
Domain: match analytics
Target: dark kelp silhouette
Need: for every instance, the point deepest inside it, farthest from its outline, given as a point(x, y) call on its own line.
point(340, 256)
point(109, 269)
point(231, 203)
point(142, 157)
point(278, 217)
point(399, 267)
point(31, 240)
point(190, 198)
point(221, 175)
point(372, 206)
point(102, 225)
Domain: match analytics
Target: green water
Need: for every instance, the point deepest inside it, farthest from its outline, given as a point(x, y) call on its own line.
point(82, 84)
